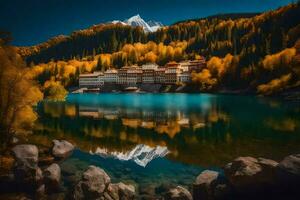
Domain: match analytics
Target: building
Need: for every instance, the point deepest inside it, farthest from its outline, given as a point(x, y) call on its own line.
point(160, 75)
point(149, 73)
point(122, 75)
point(92, 80)
point(111, 76)
point(134, 76)
point(172, 73)
point(197, 65)
point(184, 77)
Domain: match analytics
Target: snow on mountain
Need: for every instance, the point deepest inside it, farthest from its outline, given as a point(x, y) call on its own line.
point(150, 26)
point(141, 154)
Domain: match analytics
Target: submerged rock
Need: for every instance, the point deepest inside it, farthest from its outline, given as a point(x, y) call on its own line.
point(62, 149)
point(52, 176)
point(178, 193)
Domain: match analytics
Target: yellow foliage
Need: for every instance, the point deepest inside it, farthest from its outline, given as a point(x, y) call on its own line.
point(150, 57)
point(54, 90)
point(18, 93)
point(204, 79)
point(218, 66)
point(274, 86)
point(279, 59)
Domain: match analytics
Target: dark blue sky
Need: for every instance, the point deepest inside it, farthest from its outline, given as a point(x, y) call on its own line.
point(35, 21)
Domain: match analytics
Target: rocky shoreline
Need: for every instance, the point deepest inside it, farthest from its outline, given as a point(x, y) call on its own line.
point(40, 177)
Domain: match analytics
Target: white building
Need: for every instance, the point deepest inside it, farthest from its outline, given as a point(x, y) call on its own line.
point(111, 76)
point(149, 73)
point(95, 79)
point(134, 75)
point(184, 77)
point(149, 66)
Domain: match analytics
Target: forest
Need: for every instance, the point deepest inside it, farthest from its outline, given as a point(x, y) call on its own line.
point(258, 54)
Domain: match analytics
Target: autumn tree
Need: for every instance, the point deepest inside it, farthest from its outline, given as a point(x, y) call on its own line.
point(18, 94)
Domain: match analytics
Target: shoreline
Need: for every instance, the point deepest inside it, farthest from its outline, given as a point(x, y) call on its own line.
point(244, 177)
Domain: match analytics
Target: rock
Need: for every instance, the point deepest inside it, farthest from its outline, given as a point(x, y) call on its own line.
point(26, 171)
point(40, 192)
point(291, 165)
point(120, 191)
point(202, 188)
point(178, 193)
point(164, 187)
point(52, 175)
point(46, 160)
point(94, 182)
point(112, 191)
point(26, 155)
point(288, 171)
point(147, 189)
point(249, 172)
point(62, 149)
point(126, 192)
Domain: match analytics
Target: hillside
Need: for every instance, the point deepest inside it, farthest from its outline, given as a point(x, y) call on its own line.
point(208, 37)
point(253, 54)
point(225, 16)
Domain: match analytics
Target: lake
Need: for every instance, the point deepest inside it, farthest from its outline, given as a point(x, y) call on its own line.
point(152, 140)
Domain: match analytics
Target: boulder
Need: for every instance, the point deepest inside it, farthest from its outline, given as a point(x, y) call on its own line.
point(52, 175)
point(26, 155)
point(178, 193)
point(249, 172)
point(62, 149)
point(291, 165)
point(26, 171)
point(126, 192)
point(202, 187)
point(288, 170)
point(93, 184)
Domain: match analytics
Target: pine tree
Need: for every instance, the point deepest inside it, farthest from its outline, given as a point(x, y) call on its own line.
point(113, 42)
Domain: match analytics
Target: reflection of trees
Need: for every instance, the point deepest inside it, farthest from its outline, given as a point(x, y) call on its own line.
point(204, 137)
point(287, 125)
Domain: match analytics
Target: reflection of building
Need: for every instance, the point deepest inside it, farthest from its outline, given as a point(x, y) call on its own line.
point(91, 80)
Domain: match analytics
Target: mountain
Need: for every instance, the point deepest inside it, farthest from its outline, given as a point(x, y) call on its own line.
point(136, 20)
point(251, 37)
point(141, 154)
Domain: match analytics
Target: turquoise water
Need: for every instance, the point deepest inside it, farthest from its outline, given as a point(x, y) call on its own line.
point(154, 139)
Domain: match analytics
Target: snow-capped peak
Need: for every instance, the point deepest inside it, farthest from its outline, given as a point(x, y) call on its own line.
point(136, 20)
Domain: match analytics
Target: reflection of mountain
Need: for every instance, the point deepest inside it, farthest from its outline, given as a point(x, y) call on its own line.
point(141, 154)
point(200, 131)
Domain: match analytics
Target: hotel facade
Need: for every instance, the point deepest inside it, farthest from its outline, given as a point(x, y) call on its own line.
point(171, 73)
